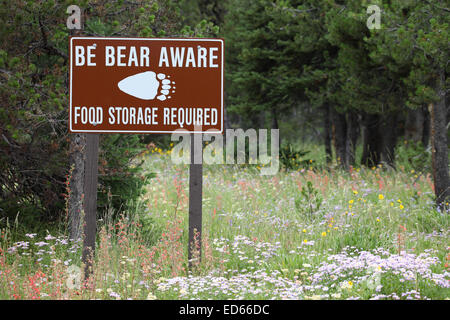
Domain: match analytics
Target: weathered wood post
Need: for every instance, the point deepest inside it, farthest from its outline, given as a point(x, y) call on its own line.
point(84, 158)
point(109, 107)
point(90, 201)
point(195, 199)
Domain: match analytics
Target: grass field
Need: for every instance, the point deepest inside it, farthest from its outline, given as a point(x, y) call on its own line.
point(304, 234)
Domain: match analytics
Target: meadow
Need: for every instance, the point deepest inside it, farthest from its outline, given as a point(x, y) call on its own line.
point(309, 233)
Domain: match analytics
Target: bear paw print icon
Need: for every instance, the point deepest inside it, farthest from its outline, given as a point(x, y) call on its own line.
point(148, 86)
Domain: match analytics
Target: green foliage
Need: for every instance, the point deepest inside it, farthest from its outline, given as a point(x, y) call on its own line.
point(34, 141)
point(293, 158)
point(122, 178)
point(149, 229)
point(309, 200)
point(412, 156)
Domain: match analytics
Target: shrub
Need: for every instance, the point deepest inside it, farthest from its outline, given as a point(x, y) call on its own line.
point(413, 156)
point(292, 158)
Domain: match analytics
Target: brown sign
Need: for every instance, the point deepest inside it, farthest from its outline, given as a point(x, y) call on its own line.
point(139, 85)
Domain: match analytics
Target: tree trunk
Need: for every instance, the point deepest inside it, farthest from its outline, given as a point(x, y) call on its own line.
point(327, 133)
point(339, 138)
point(76, 184)
point(438, 113)
point(426, 127)
point(372, 141)
point(274, 119)
point(389, 134)
point(352, 136)
point(414, 125)
point(226, 120)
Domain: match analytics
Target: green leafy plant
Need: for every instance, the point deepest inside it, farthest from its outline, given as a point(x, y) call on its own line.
point(413, 156)
point(292, 158)
point(309, 200)
point(121, 177)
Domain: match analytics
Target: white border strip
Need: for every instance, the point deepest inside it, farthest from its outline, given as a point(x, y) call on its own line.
point(145, 39)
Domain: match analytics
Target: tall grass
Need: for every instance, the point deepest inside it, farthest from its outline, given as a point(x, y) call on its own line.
point(374, 235)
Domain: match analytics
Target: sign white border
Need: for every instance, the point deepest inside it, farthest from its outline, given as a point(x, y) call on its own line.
point(145, 39)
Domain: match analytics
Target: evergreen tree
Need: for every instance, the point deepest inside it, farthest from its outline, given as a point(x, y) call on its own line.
point(414, 43)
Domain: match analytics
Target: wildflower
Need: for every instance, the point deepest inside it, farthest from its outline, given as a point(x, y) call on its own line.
point(380, 196)
point(355, 192)
point(378, 219)
point(305, 241)
point(347, 285)
point(351, 201)
point(324, 234)
point(304, 230)
point(150, 296)
point(401, 207)
point(336, 295)
point(31, 235)
point(306, 265)
point(115, 295)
